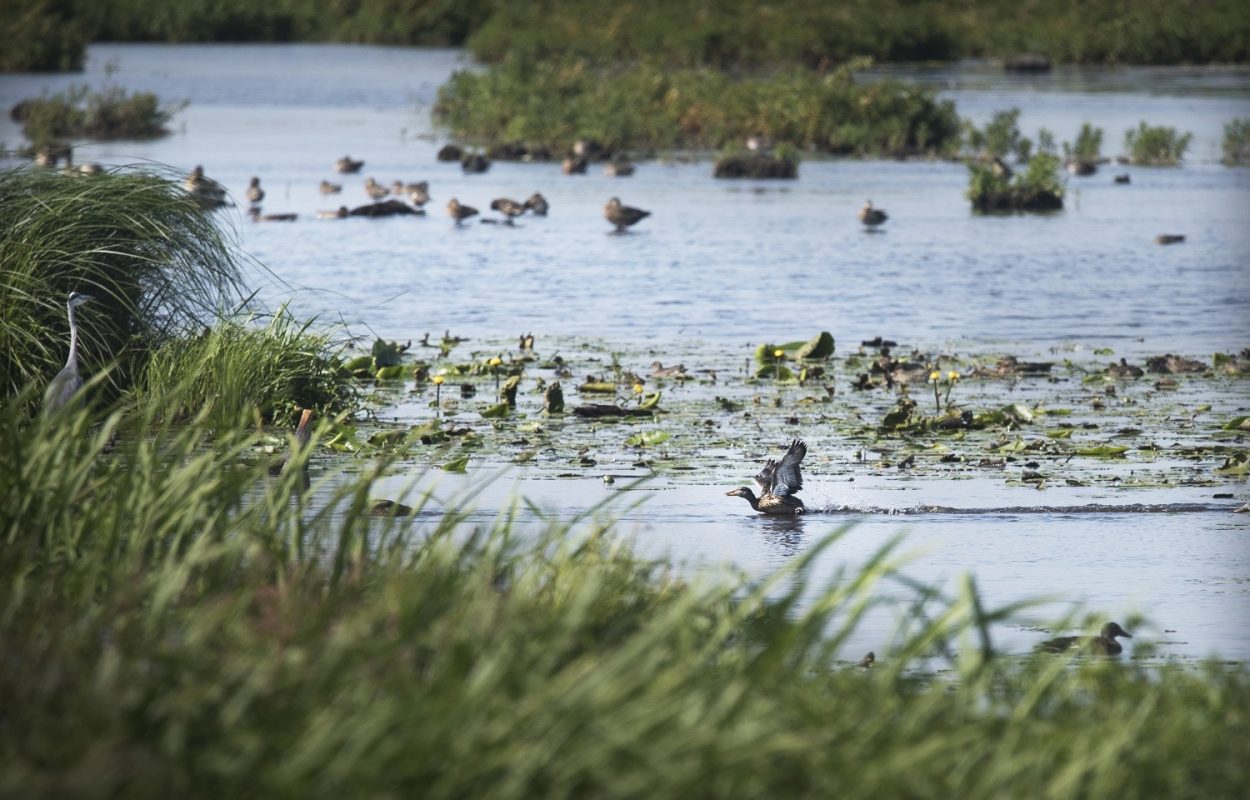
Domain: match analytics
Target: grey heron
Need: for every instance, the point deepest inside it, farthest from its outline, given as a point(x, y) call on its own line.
point(67, 381)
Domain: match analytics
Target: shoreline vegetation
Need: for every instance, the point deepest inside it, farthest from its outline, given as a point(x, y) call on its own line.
point(725, 34)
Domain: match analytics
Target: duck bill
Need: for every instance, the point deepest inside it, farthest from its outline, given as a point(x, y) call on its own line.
point(733, 493)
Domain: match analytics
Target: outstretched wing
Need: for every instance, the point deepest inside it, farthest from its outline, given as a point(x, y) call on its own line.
point(765, 479)
point(787, 479)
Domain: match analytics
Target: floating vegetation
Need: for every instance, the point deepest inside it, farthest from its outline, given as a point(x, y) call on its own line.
point(1085, 155)
point(1156, 146)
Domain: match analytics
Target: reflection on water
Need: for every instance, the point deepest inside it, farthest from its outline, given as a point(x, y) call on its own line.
point(720, 266)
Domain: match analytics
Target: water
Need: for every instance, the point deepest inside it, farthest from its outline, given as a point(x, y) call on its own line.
point(721, 266)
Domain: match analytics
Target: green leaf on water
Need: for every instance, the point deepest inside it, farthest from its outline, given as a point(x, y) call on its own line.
point(597, 387)
point(386, 354)
point(1237, 424)
point(1103, 451)
point(458, 464)
point(650, 400)
point(1104, 351)
point(818, 348)
point(390, 373)
point(358, 363)
point(496, 411)
point(1236, 464)
point(647, 439)
point(1061, 433)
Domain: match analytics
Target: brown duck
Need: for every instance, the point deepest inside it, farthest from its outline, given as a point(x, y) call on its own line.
point(459, 212)
point(1104, 644)
point(779, 484)
point(623, 216)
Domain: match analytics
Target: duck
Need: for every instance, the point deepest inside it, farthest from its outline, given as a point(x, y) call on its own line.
point(1104, 644)
point(418, 193)
point(1169, 364)
point(623, 216)
point(331, 188)
point(1123, 178)
point(339, 213)
point(538, 204)
point(658, 370)
point(575, 165)
point(618, 169)
point(511, 209)
point(460, 212)
point(375, 190)
point(348, 165)
point(779, 483)
point(254, 193)
point(1124, 370)
point(207, 192)
point(872, 217)
point(1170, 238)
point(254, 211)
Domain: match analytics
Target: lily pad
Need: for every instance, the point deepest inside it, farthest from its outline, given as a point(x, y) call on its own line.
point(1236, 464)
point(597, 387)
point(458, 464)
point(387, 354)
point(390, 373)
point(496, 411)
point(818, 348)
point(650, 400)
point(647, 439)
point(1103, 451)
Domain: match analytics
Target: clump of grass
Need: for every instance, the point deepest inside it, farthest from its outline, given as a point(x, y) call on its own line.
point(43, 37)
point(156, 265)
point(215, 636)
point(241, 370)
point(1000, 138)
point(645, 107)
point(1038, 187)
point(1156, 146)
point(1236, 143)
point(1088, 146)
point(81, 113)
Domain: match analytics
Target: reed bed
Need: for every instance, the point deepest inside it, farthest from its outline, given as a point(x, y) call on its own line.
point(174, 621)
point(156, 265)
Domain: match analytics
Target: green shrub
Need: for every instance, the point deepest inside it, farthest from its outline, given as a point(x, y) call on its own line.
point(43, 36)
point(1237, 142)
point(155, 264)
point(1038, 187)
point(79, 112)
point(645, 107)
point(1156, 146)
point(1000, 138)
point(1088, 147)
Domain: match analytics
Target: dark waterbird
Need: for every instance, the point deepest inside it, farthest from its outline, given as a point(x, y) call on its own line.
point(1104, 644)
point(254, 193)
point(67, 382)
point(779, 484)
point(623, 216)
point(538, 204)
point(348, 165)
point(460, 212)
point(872, 217)
point(510, 209)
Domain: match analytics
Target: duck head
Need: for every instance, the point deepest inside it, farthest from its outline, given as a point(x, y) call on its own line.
point(1112, 630)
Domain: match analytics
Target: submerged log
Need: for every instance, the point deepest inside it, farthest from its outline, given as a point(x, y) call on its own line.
point(756, 165)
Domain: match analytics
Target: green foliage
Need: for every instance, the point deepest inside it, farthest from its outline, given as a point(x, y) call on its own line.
point(1237, 142)
point(1038, 187)
point(156, 265)
point(1159, 146)
point(77, 113)
point(212, 635)
point(239, 371)
point(1000, 138)
point(42, 36)
point(646, 107)
point(1088, 147)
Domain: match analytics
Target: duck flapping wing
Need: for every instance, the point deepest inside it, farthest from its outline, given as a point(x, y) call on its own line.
point(765, 479)
point(786, 477)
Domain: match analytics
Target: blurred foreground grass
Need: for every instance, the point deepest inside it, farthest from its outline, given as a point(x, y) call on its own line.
point(175, 621)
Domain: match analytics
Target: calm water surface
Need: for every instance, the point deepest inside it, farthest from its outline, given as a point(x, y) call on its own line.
point(723, 265)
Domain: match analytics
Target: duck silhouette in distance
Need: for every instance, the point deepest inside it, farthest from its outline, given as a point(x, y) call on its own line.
point(779, 484)
point(623, 216)
point(460, 212)
point(872, 217)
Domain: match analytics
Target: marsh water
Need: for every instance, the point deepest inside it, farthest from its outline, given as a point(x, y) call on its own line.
point(722, 266)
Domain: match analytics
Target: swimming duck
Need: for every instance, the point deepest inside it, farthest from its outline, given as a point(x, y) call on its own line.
point(658, 370)
point(254, 193)
point(618, 169)
point(1169, 364)
point(511, 209)
point(778, 483)
point(623, 216)
point(1104, 644)
point(575, 165)
point(538, 204)
point(339, 213)
point(331, 188)
point(1124, 370)
point(207, 192)
point(872, 217)
point(460, 212)
point(348, 165)
point(375, 190)
point(418, 193)
point(1170, 238)
point(1123, 178)
point(254, 211)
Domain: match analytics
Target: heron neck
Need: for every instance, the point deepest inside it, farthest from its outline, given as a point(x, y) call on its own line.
point(72, 360)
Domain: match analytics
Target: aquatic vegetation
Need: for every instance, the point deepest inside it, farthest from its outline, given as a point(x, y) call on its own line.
point(1000, 138)
point(1038, 187)
point(643, 107)
point(242, 370)
point(1156, 146)
point(1236, 144)
point(221, 634)
point(81, 113)
point(742, 164)
point(155, 264)
point(47, 36)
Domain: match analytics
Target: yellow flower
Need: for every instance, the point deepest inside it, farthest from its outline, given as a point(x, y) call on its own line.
point(779, 353)
point(637, 388)
point(952, 376)
point(934, 376)
point(438, 380)
point(496, 361)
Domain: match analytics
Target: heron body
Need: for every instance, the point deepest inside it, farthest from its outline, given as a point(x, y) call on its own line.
point(623, 216)
point(1104, 644)
point(67, 382)
point(779, 484)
